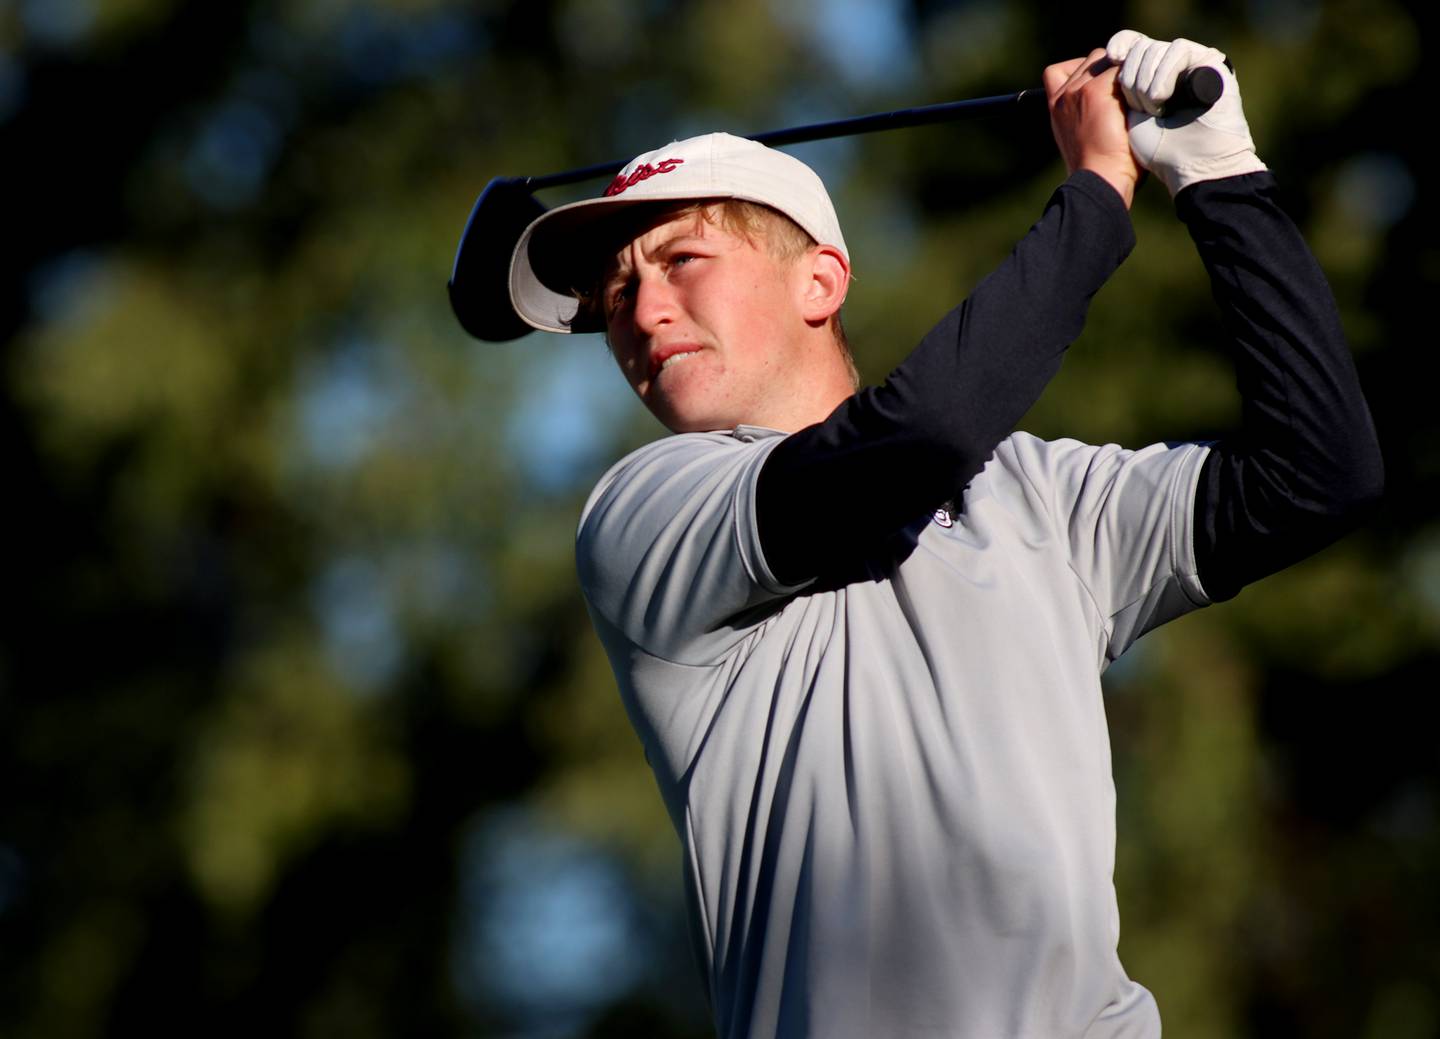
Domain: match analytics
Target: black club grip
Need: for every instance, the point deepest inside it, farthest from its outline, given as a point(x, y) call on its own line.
point(1197, 90)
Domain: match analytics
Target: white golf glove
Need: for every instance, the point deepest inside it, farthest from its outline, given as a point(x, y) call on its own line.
point(1180, 150)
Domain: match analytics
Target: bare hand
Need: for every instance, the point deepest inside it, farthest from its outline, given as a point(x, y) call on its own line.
point(1087, 115)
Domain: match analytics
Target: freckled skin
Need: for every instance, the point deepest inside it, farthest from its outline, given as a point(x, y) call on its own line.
point(763, 353)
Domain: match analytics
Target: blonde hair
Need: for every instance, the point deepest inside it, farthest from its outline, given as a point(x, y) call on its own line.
point(783, 239)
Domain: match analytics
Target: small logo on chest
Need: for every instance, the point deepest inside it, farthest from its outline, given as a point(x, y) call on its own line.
point(945, 514)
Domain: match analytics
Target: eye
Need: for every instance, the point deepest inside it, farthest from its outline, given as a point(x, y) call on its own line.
point(618, 293)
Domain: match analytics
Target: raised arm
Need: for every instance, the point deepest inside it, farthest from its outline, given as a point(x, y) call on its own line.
point(1305, 465)
point(894, 452)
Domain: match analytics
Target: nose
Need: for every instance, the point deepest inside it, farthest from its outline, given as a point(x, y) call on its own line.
point(654, 302)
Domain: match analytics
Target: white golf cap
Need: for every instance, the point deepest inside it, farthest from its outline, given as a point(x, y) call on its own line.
point(543, 269)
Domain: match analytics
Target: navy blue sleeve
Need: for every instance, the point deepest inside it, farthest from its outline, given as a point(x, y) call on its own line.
point(1305, 466)
point(897, 451)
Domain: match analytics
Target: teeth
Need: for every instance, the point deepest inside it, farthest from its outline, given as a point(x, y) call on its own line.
point(676, 359)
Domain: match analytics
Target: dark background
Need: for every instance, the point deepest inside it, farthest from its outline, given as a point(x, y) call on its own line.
point(303, 730)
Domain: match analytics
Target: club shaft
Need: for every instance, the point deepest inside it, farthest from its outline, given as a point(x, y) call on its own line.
point(896, 120)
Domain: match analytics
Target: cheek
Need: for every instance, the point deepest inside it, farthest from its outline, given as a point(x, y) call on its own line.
point(758, 311)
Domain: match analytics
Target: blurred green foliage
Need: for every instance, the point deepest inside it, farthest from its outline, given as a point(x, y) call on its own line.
point(292, 616)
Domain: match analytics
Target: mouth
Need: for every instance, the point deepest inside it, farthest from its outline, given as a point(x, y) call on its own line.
point(668, 357)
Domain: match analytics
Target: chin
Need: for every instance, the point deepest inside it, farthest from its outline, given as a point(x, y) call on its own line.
point(693, 422)
point(681, 416)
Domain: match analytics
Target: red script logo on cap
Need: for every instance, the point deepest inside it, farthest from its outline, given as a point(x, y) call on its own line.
point(642, 172)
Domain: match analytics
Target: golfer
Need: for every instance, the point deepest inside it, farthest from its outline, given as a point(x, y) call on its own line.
point(860, 632)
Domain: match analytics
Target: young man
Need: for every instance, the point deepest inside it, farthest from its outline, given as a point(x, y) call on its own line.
point(860, 634)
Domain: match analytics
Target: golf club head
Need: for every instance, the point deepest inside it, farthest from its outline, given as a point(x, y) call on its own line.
point(480, 280)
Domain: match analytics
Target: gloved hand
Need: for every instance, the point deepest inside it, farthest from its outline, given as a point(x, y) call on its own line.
point(1180, 150)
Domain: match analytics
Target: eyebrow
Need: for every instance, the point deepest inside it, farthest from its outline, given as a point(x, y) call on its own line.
point(614, 268)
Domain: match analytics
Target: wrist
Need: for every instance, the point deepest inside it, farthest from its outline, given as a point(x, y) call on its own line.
point(1124, 178)
point(1181, 177)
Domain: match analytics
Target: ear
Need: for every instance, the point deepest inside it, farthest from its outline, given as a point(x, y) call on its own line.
point(827, 282)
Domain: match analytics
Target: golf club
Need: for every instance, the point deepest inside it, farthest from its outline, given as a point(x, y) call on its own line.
point(480, 279)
